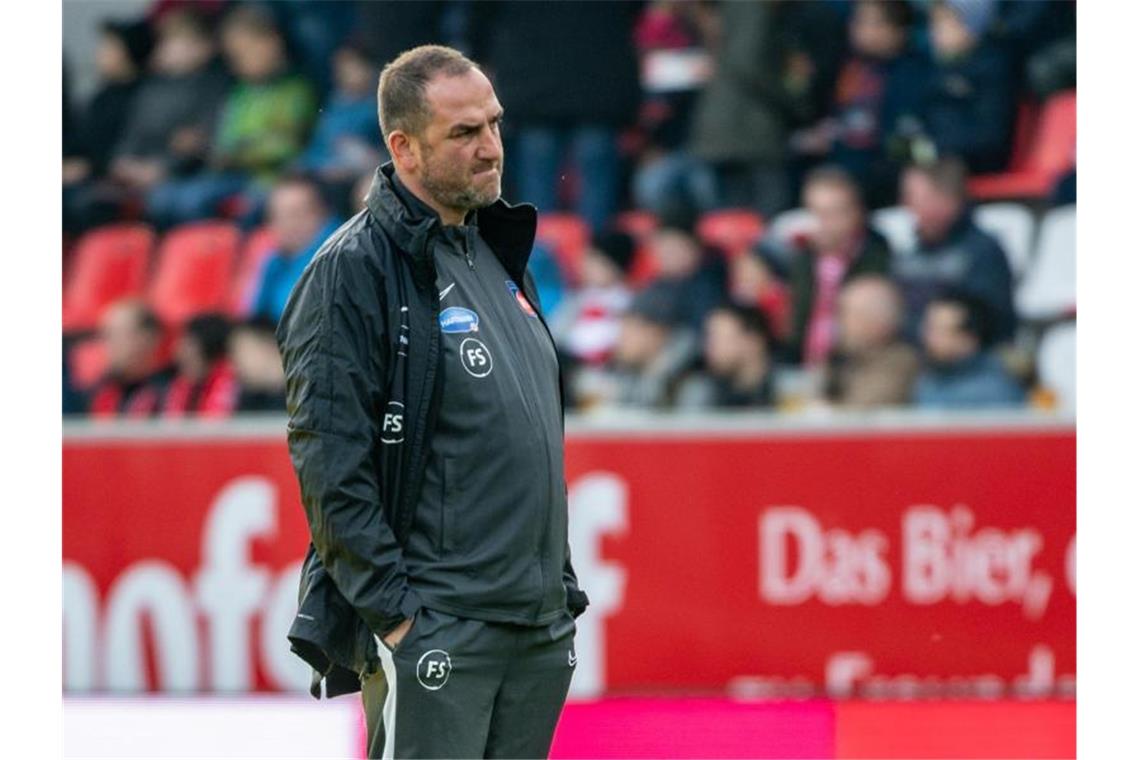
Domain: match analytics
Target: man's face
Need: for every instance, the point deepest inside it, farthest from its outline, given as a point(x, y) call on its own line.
point(724, 343)
point(131, 349)
point(639, 341)
point(949, 36)
point(677, 254)
point(872, 33)
point(253, 56)
point(296, 215)
point(460, 150)
point(942, 335)
point(867, 317)
point(837, 215)
point(934, 210)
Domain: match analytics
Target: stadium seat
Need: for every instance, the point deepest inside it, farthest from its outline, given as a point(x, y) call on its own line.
point(109, 263)
point(257, 248)
point(1057, 364)
point(1013, 226)
point(87, 360)
point(195, 265)
point(1052, 152)
point(733, 230)
point(896, 224)
point(1049, 289)
point(639, 225)
point(567, 235)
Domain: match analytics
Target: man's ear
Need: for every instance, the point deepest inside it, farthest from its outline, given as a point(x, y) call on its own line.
point(404, 150)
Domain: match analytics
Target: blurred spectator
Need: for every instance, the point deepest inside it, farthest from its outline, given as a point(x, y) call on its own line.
point(872, 365)
point(346, 141)
point(690, 279)
point(389, 27)
point(879, 85)
point(952, 250)
point(300, 222)
point(840, 247)
point(675, 65)
point(754, 281)
point(958, 372)
point(121, 58)
point(263, 126)
point(137, 377)
point(570, 88)
point(313, 30)
point(651, 354)
point(204, 384)
point(547, 276)
point(173, 116)
point(257, 364)
point(969, 106)
point(586, 325)
point(763, 86)
point(738, 369)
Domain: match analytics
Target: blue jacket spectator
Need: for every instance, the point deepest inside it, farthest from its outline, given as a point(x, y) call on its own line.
point(969, 105)
point(300, 221)
point(346, 142)
point(878, 91)
point(952, 251)
point(958, 372)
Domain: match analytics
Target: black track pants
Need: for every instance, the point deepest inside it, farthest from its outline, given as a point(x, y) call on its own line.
point(460, 688)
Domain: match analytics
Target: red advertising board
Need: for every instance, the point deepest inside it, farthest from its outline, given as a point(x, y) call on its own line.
point(905, 562)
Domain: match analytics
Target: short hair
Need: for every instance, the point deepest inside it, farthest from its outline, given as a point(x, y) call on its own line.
point(185, 21)
point(256, 20)
point(257, 326)
point(304, 179)
point(145, 318)
point(751, 319)
point(832, 174)
point(403, 82)
point(976, 320)
point(898, 13)
point(211, 330)
point(948, 174)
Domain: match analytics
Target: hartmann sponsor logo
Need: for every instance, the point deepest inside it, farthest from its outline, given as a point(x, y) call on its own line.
point(456, 319)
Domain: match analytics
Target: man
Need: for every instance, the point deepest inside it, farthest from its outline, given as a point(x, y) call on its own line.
point(426, 431)
point(137, 376)
point(959, 372)
point(300, 221)
point(737, 360)
point(653, 349)
point(952, 251)
point(839, 248)
point(872, 366)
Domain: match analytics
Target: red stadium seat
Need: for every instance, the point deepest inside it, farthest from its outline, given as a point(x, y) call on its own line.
point(567, 235)
point(1051, 153)
point(258, 246)
point(733, 230)
point(109, 263)
point(194, 273)
point(87, 360)
point(637, 224)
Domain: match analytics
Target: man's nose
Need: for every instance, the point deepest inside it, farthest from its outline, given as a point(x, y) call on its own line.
point(490, 146)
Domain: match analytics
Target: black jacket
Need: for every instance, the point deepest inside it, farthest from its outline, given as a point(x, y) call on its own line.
point(362, 402)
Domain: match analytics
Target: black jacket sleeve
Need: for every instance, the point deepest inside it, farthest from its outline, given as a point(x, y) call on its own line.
point(332, 341)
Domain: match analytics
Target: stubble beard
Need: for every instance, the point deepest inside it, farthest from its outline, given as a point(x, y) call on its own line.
point(453, 187)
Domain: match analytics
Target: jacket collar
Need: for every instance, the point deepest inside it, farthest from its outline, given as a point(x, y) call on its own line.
point(508, 229)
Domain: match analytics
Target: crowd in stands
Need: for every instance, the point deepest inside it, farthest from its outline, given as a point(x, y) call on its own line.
point(720, 185)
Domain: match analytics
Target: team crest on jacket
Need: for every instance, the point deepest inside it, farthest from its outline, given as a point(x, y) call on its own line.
point(456, 319)
point(520, 299)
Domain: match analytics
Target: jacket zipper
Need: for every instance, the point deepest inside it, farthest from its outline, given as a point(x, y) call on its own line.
point(467, 248)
